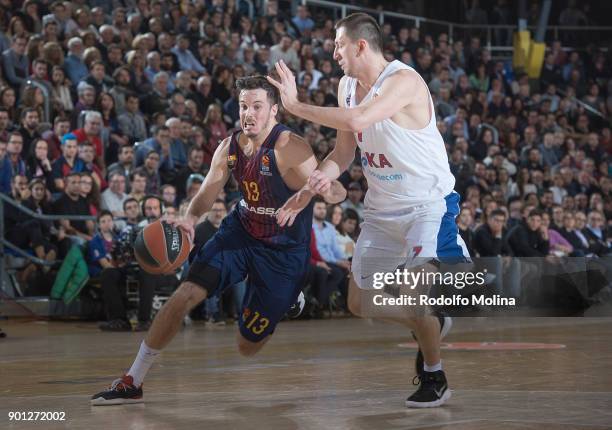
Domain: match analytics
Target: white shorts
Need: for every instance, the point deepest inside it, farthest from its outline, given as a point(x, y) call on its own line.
point(408, 238)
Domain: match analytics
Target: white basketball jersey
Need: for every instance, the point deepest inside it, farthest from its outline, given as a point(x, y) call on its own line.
point(403, 167)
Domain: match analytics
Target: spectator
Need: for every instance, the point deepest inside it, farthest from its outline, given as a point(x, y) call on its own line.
point(61, 126)
point(186, 59)
point(138, 185)
point(557, 244)
point(91, 132)
point(353, 201)
point(178, 150)
point(125, 163)
point(328, 247)
point(302, 22)
point(38, 165)
point(114, 196)
point(528, 239)
point(283, 51)
point(168, 194)
point(72, 203)
point(596, 234)
point(157, 101)
point(85, 102)
point(195, 165)
point(132, 123)
point(75, 68)
point(14, 150)
point(15, 62)
point(29, 129)
point(150, 169)
point(90, 192)
point(67, 163)
point(60, 91)
point(345, 232)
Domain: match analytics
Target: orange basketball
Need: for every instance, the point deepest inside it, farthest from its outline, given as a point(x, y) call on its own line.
point(161, 248)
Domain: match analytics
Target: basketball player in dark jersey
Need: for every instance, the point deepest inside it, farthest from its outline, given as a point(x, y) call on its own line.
point(272, 165)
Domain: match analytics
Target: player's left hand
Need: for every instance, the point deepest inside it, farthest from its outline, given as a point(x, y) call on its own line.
point(287, 86)
point(293, 206)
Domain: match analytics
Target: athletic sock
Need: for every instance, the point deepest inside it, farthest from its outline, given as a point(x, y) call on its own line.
point(434, 368)
point(145, 358)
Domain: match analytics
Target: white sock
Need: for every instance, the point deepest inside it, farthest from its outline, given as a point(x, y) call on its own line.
point(434, 368)
point(145, 358)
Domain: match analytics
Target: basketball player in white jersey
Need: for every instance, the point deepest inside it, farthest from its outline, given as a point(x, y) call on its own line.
point(386, 109)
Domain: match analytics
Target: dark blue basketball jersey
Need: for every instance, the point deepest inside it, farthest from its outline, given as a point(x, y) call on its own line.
point(264, 192)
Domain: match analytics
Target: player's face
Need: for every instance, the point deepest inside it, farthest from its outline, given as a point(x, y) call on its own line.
point(255, 111)
point(345, 51)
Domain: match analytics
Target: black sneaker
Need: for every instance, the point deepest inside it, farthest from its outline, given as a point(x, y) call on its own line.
point(296, 309)
point(116, 325)
point(122, 391)
point(433, 391)
point(446, 323)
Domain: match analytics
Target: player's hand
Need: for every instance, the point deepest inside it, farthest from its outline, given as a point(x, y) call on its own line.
point(186, 224)
point(287, 86)
point(293, 206)
point(319, 182)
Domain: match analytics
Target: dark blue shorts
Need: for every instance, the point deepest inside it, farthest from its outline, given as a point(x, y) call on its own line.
point(274, 276)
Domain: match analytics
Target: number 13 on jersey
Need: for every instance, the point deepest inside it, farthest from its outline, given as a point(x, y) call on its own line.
point(252, 190)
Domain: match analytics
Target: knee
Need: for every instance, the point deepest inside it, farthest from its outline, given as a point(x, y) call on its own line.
point(189, 294)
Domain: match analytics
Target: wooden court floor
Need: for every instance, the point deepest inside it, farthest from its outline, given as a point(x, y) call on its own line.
point(326, 374)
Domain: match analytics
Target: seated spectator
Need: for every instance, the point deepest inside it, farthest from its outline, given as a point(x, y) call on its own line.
point(67, 163)
point(178, 147)
point(150, 169)
point(38, 165)
point(90, 192)
point(97, 78)
point(29, 129)
point(195, 165)
point(488, 238)
point(6, 173)
point(124, 165)
point(353, 174)
point(72, 203)
point(60, 92)
point(75, 68)
point(91, 132)
point(557, 244)
point(114, 196)
point(213, 122)
point(87, 154)
point(345, 232)
point(596, 234)
point(22, 230)
point(528, 239)
point(138, 185)
point(131, 210)
point(15, 63)
point(353, 201)
point(14, 150)
point(85, 102)
point(329, 248)
point(157, 100)
point(168, 193)
point(575, 237)
point(160, 142)
point(131, 122)
point(61, 126)
point(464, 225)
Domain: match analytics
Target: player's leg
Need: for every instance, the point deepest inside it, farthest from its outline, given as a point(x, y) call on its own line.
point(275, 281)
point(211, 268)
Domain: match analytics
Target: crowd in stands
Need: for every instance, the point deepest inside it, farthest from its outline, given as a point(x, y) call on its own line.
point(108, 106)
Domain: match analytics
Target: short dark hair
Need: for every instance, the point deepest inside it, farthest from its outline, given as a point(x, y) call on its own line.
point(105, 213)
point(258, 82)
point(362, 26)
point(497, 212)
point(27, 111)
point(129, 200)
point(536, 212)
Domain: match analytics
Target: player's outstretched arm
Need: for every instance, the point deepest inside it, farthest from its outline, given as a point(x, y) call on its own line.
point(297, 155)
point(209, 190)
point(396, 93)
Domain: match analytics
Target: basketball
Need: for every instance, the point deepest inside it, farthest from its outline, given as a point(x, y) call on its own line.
point(161, 248)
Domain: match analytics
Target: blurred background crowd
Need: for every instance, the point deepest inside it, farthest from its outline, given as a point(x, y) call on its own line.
point(113, 109)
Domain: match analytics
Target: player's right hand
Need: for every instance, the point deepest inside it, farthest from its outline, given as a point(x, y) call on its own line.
point(319, 182)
